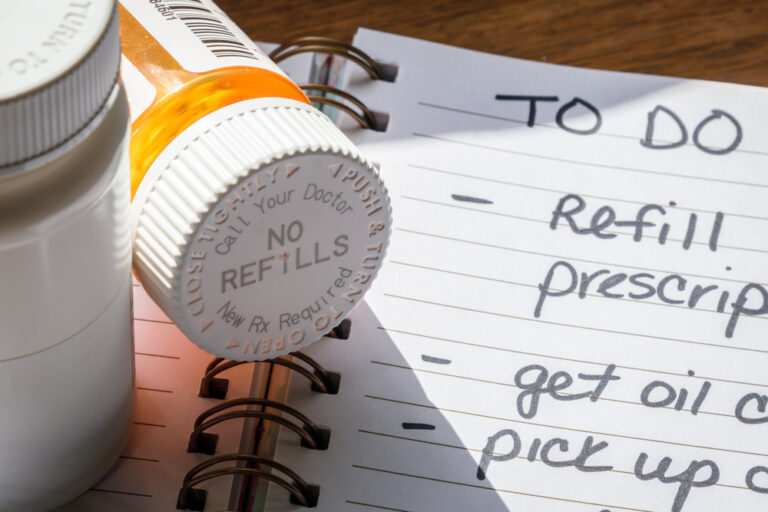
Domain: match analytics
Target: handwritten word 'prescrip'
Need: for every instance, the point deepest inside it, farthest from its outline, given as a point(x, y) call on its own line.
point(563, 279)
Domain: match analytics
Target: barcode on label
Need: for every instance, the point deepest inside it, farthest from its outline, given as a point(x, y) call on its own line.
point(209, 29)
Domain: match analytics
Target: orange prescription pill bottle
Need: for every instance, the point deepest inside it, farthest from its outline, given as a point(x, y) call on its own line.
point(257, 225)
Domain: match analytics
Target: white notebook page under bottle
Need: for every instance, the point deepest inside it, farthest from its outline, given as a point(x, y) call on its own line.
point(573, 314)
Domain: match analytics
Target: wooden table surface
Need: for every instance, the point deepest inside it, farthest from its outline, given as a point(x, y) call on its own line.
point(709, 39)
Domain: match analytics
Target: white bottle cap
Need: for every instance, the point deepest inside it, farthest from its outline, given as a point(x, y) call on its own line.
point(58, 64)
point(259, 228)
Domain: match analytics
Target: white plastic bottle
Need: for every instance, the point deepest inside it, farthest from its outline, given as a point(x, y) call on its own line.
point(66, 353)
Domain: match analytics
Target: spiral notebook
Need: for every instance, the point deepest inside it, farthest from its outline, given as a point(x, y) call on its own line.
point(571, 316)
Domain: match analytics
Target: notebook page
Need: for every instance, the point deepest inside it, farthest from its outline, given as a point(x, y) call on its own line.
point(149, 473)
point(569, 318)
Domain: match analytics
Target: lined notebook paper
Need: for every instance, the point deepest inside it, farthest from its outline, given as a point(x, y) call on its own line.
point(150, 471)
point(573, 312)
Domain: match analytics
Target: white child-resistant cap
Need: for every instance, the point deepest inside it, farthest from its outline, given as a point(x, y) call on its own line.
point(58, 64)
point(259, 228)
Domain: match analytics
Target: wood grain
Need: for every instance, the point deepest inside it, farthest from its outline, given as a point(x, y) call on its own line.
point(708, 39)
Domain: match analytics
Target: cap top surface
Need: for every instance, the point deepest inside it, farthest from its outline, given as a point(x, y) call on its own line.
point(42, 40)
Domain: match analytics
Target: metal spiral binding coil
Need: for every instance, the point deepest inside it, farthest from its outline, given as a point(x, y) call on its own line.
point(312, 435)
point(192, 498)
point(328, 45)
point(323, 381)
point(365, 119)
point(365, 116)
